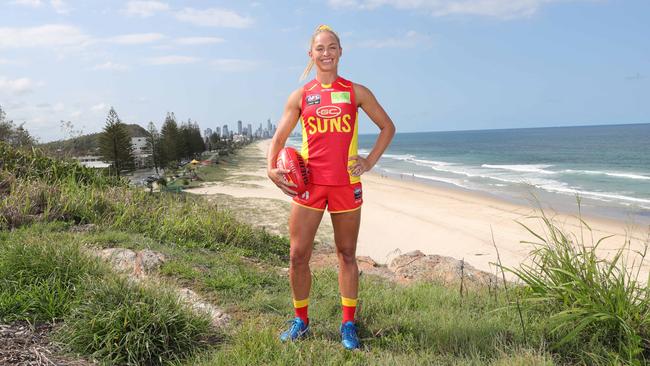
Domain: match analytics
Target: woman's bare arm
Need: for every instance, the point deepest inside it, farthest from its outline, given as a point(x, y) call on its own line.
point(367, 101)
point(285, 126)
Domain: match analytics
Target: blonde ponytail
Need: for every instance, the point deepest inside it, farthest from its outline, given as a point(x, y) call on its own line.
point(310, 64)
point(305, 73)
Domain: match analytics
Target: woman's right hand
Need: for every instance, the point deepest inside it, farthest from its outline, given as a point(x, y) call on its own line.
point(277, 176)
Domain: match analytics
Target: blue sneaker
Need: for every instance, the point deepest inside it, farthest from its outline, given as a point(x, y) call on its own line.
point(349, 336)
point(297, 330)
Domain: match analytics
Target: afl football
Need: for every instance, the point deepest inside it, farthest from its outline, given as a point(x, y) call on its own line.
point(289, 159)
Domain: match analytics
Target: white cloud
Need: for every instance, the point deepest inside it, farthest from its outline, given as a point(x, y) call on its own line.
point(234, 65)
point(503, 9)
point(76, 114)
point(410, 40)
point(50, 35)
point(99, 107)
point(193, 41)
point(4, 61)
point(111, 66)
point(30, 3)
point(60, 6)
point(214, 17)
point(172, 60)
point(136, 38)
point(16, 86)
point(145, 8)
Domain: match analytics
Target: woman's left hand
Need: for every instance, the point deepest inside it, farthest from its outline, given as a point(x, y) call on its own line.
point(360, 165)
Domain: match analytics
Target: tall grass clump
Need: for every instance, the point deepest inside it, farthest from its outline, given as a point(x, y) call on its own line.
point(34, 188)
point(597, 309)
point(41, 277)
point(122, 323)
point(35, 165)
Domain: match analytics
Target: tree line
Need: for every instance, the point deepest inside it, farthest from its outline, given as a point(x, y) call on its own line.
point(167, 148)
point(14, 135)
point(172, 144)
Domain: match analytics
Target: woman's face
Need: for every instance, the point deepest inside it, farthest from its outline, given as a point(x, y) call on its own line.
point(325, 51)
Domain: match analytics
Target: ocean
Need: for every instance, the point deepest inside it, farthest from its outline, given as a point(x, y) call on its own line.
point(608, 167)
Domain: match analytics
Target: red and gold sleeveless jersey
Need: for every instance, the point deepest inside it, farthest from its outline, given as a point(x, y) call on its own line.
point(329, 131)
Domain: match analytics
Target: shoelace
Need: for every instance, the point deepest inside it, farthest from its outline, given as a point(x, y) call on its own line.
point(349, 332)
point(295, 326)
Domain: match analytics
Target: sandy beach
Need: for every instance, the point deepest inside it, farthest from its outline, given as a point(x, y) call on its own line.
point(402, 216)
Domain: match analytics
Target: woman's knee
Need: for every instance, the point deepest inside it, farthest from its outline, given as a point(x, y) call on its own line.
point(346, 255)
point(299, 256)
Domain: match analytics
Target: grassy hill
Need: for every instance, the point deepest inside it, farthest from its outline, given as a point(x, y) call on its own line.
point(571, 309)
point(85, 144)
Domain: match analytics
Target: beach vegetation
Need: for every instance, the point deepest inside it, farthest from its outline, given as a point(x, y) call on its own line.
point(46, 275)
point(576, 308)
point(12, 134)
point(593, 308)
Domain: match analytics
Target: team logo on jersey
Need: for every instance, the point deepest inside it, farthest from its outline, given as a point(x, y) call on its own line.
point(328, 111)
point(357, 194)
point(313, 99)
point(341, 97)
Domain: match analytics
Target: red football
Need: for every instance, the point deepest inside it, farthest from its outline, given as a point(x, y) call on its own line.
point(289, 159)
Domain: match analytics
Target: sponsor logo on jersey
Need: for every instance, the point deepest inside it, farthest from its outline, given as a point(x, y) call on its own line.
point(313, 99)
point(328, 111)
point(357, 194)
point(342, 123)
point(340, 97)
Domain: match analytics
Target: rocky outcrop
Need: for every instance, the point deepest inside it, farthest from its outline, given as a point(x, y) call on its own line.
point(219, 317)
point(141, 264)
point(416, 266)
point(138, 263)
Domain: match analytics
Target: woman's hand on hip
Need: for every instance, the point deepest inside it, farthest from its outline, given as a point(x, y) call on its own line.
point(360, 165)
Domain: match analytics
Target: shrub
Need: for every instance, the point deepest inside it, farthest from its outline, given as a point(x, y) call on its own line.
point(597, 309)
point(122, 323)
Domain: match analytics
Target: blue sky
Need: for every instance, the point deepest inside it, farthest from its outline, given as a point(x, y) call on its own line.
point(433, 64)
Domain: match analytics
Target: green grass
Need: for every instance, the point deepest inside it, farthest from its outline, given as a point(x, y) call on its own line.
point(42, 275)
point(597, 309)
point(122, 323)
point(576, 307)
point(183, 220)
point(46, 276)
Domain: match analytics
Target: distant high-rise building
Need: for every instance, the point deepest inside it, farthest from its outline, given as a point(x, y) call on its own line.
point(218, 131)
point(250, 130)
point(224, 131)
point(239, 127)
point(268, 125)
point(207, 132)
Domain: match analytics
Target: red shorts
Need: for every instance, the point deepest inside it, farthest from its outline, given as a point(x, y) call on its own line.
point(335, 198)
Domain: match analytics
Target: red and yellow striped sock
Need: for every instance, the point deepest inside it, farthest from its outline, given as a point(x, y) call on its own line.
point(349, 308)
point(300, 307)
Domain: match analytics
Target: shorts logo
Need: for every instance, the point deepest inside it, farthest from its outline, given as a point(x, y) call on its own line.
point(313, 99)
point(328, 111)
point(341, 97)
point(305, 196)
point(357, 194)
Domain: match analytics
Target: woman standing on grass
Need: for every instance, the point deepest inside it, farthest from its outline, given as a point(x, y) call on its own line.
point(327, 107)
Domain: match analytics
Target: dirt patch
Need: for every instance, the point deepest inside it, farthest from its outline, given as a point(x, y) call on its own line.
point(270, 214)
point(24, 345)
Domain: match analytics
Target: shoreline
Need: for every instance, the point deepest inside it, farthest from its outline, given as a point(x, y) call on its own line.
point(399, 216)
